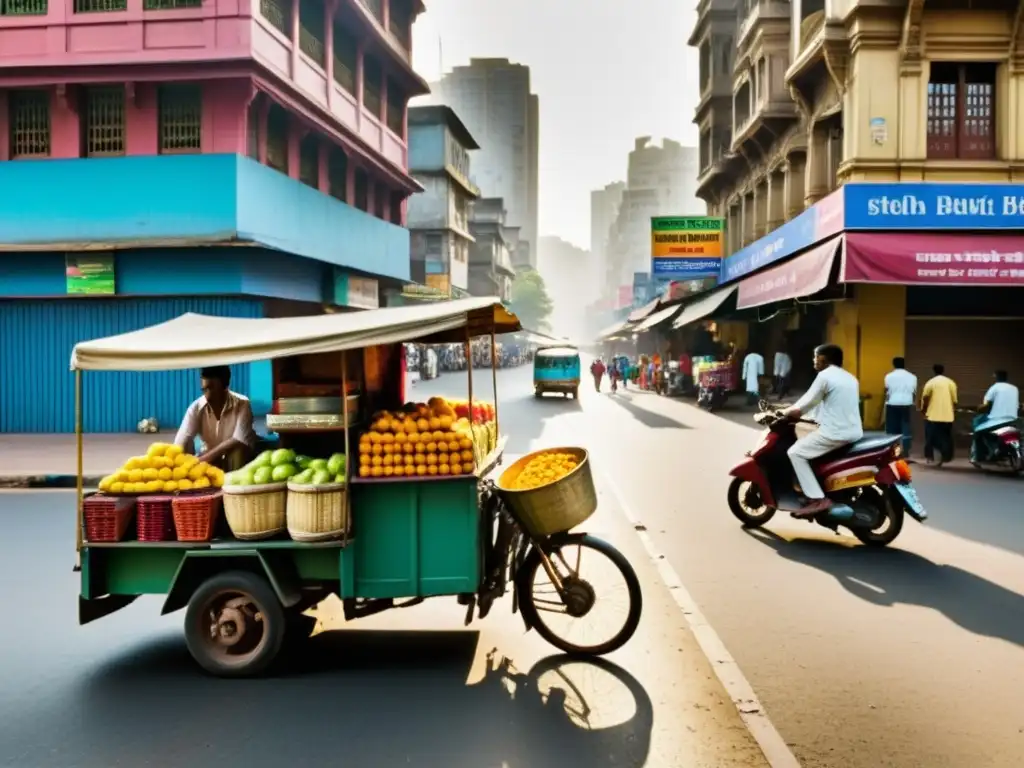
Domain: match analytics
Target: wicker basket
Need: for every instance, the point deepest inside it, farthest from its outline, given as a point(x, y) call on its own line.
point(155, 518)
point(317, 512)
point(554, 508)
point(106, 518)
point(195, 517)
point(255, 512)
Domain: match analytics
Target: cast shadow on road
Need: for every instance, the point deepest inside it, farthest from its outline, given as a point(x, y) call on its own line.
point(368, 698)
point(648, 418)
point(889, 576)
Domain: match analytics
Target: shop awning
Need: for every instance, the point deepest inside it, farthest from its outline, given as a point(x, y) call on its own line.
point(612, 330)
point(658, 317)
point(704, 306)
point(639, 314)
point(193, 341)
point(933, 259)
point(803, 276)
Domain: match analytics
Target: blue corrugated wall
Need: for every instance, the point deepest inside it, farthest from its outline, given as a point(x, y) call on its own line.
point(37, 389)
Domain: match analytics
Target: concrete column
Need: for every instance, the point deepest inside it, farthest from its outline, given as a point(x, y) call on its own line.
point(761, 209)
point(776, 200)
point(360, 55)
point(330, 6)
point(749, 218)
point(294, 35)
point(816, 183)
point(793, 185)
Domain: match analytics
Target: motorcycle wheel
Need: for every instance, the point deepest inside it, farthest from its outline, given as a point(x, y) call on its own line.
point(891, 523)
point(740, 491)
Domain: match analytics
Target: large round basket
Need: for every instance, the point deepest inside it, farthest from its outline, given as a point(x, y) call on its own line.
point(255, 512)
point(554, 508)
point(317, 512)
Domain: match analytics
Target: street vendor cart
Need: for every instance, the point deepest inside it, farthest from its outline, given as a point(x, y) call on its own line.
point(714, 383)
point(407, 507)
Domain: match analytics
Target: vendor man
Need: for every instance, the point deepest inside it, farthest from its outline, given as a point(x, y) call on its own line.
point(221, 419)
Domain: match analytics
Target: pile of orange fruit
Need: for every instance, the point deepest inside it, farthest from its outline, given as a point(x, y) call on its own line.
point(544, 469)
point(415, 443)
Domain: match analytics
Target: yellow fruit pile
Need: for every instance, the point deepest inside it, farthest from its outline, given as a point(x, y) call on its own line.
point(419, 441)
point(545, 469)
point(164, 469)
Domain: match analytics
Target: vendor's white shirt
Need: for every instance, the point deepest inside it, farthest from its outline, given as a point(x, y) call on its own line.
point(1004, 398)
point(753, 366)
point(836, 393)
point(236, 421)
point(783, 364)
point(900, 386)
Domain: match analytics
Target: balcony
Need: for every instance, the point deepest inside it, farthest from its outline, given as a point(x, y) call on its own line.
point(769, 14)
point(821, 56)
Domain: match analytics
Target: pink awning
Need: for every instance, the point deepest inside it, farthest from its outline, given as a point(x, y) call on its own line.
point(934, 259)
point(805, 275)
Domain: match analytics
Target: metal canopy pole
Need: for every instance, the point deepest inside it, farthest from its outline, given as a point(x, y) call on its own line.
point(79, 450)
point(348, 464)
point(494, 375)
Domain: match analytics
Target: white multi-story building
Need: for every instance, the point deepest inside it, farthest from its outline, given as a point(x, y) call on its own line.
point(604, 208)
point(493, 98)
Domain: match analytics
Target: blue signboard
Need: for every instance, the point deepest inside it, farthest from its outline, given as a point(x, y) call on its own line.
point(641, 289)
point(934, 206)
point(685, 269)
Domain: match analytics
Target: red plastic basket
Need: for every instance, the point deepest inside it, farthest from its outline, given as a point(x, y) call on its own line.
point(106, 518)
point(155, 518)
point(195, 517)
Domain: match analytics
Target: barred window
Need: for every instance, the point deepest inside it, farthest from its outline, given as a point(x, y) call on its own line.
point(373, 79)
point(961, 111)
point(180, 118)
point(397, 198)
point(277, 139)
point(170, 5)
point(100, 6)
point(362, 190)
point(104, 125)
point(346, 54)
point(23, 7)
point(311, 30)
point(309, 161)
point(252, 124)
point(396, 108)
point(337, 174)
point(29, 118)
point(400, 21)
point(278, 13)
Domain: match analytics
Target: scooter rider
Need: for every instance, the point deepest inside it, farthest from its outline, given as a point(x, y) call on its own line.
point(836, 393)
point(1001, 404)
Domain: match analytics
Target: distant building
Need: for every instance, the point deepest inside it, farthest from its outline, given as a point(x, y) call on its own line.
point(604, 208)
point(438, 217)
point(490, 254)
point(565, 268)
point(493, 98)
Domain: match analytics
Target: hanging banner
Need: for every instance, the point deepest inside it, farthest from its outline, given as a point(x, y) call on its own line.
point(930, 259)
point(687, 247)
point(90, 274)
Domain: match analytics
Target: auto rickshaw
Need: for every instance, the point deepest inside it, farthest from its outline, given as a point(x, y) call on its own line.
point(557, 369)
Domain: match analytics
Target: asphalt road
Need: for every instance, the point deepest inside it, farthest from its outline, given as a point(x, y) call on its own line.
point(412, 687)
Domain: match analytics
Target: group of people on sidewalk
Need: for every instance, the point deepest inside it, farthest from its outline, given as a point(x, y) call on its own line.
point(753, 371)
point(938, 404)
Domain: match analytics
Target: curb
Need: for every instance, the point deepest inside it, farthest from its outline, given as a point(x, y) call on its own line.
point(46, 481)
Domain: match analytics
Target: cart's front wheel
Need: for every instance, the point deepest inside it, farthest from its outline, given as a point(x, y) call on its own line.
point(235, 624)
point(595, 610)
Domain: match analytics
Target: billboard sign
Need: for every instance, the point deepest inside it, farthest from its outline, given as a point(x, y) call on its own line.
point(686, 247)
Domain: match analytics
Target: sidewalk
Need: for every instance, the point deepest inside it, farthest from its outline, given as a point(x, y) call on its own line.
point(49, 461)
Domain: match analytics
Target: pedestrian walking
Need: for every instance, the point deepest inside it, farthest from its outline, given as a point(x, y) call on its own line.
point(597, 370)
point(938, 404)
point(900, 394)
point(753, 369)
point(782, 369)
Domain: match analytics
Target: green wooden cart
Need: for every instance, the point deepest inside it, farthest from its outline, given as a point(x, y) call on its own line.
point(412, 538)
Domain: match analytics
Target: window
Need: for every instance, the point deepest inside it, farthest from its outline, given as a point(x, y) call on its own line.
point(104, 124)
point(100, 6)
point(277, 12)
point(346, 53)
point(362, 190)
point(252, 124)
point(180, 118)
point(400, 21)
point(961, 111)
point(337, 174)
point(373, 79)
point(380, 202)
point(170, 5)
point(309, 161)
point(397, 198)
point(277, 138)
point(396, 108)
point(29, 118)
point(311, 30)
point(23, 7)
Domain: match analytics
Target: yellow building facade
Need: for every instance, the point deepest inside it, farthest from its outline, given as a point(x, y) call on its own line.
point(798, 98)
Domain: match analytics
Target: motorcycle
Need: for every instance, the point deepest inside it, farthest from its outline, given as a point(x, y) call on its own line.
point(868, 482)
point(995, 443)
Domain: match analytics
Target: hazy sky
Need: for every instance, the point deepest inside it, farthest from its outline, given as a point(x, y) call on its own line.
point(606, 71)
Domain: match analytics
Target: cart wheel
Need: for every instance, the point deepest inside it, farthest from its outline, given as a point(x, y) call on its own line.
point(234, 624)
point(559, 615)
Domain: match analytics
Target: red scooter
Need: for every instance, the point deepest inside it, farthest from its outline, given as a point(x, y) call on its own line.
point(867, 481)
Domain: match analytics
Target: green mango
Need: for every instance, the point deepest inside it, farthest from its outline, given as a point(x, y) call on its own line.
point(282, 472)
point(304, 477)
point(262, 476)
point(321, 476)
point(282, 456)
point(318, 464)
point(336, 464)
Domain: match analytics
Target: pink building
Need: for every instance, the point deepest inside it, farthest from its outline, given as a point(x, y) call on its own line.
point(316, 89)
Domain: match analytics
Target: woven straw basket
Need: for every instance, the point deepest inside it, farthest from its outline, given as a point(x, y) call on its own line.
point(317, 512)
point(255, 511)
point(554, 508)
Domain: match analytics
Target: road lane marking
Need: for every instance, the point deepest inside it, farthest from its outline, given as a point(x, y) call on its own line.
point(751, 711)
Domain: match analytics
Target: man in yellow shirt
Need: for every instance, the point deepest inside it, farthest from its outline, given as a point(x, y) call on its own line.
point(938, 404)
